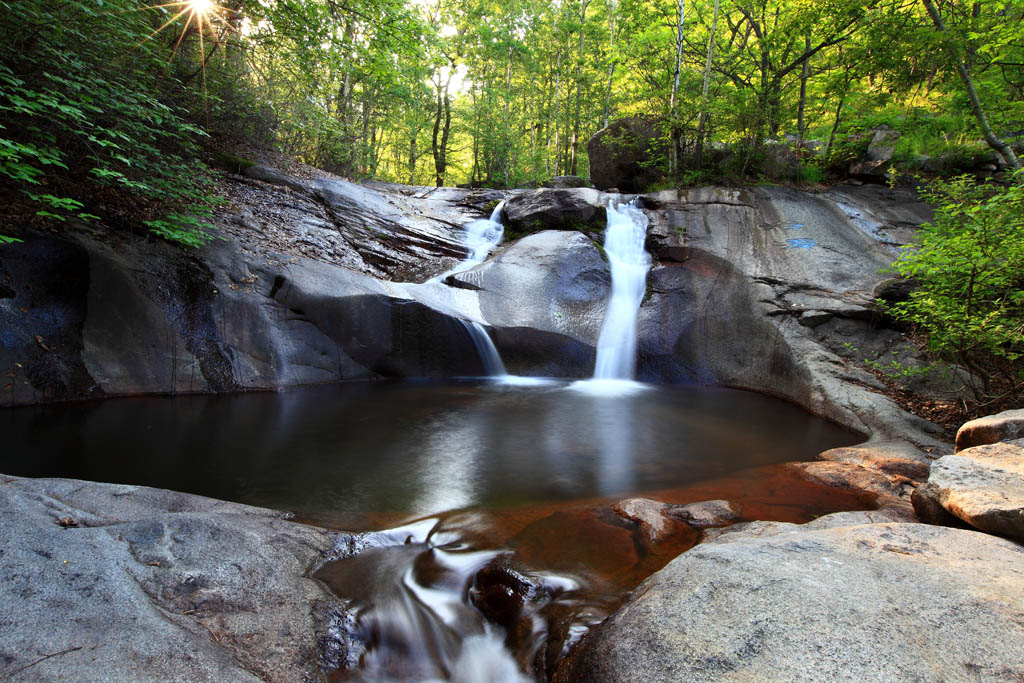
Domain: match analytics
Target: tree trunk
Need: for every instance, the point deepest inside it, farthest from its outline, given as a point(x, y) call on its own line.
point(703, 120)
point(972, 95)
point(412, 159)
point(439, 141)
point(579, 85)
point(674, 133)
point(805, 74)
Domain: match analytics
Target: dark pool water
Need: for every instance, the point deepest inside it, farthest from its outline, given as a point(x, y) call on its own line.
point(353, 454)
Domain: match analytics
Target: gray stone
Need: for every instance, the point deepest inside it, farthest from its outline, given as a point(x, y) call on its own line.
point(649, 514)
point(880, 150)
point(983, 486)
point(565, 181)
point(1003, 426)
point(101, 582)
point(565, 209)
point(865, 602)
point(275, 177)
point(706, 514)
point(621, 155)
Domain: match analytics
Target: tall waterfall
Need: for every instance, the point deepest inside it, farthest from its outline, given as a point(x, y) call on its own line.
point(624, 245)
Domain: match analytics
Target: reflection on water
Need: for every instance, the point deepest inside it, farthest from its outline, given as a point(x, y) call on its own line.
point(345, 453)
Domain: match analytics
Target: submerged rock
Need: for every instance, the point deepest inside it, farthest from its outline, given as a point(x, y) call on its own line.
point(707, 514)
point(864, 602)
point(983, 486)
point(102, 581)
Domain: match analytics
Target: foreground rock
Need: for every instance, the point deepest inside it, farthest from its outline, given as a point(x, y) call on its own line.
point(1002, 426)
point(106, 582)
point(864, 602)
point(983, 486)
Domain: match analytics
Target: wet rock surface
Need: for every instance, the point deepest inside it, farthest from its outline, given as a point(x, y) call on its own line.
point(769, 289)
point(555, 209)
point(983, 486)
point(868, 601)
point(107, 582)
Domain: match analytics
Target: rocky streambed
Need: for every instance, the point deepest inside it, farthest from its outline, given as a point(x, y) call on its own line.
point(769, 289)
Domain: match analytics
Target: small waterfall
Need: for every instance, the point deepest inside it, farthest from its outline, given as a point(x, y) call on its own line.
point(482, 235)
point(485, 347)
point(624, 245)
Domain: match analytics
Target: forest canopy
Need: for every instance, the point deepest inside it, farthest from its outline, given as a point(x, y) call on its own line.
point(486, 92)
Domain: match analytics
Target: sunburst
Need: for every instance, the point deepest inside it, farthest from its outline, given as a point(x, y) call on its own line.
point(200, 14)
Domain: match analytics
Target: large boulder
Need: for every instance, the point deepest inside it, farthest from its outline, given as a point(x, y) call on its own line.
point(88, 317)
point(1003, 426)
point(555, 209)
point(880, 149)
point(865, 602)
point(104, 582)
point(551, 281)
point(983, 486)
point(626, 155)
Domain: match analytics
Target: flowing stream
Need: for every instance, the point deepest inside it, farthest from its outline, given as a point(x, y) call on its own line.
point(624, 245)
point(615, 368)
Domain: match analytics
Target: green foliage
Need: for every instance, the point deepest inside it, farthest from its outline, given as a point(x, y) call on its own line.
point(86, 114)
point(811, 174)
point(970, 265)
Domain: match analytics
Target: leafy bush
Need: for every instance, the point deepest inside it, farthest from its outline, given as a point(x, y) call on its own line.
point(86, 126)
point(970, 265)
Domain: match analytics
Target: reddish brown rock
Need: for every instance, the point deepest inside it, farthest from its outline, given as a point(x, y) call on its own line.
point(990, 429)
point(878, 491)
point(895, 458)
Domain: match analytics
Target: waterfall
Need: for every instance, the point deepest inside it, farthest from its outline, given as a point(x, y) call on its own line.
point(493, 367)
point(624, 246)
point(482, 235)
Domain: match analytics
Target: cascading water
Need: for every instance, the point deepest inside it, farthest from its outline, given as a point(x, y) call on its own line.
point(624, 245)
point(482, 235)
point(616, 347)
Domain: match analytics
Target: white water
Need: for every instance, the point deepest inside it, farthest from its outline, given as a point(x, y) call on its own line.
point(416, 604)
point(616, 347)
point(624, 245)
point(489, 356)
point(481, 237)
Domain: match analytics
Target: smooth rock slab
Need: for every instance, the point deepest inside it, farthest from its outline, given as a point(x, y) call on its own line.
point(983, 486)
point(140, 584)
point(856, 603)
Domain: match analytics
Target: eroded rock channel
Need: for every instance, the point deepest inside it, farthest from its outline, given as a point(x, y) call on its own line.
point(553, 531)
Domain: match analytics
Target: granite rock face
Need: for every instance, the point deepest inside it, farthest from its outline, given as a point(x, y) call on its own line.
point(121, 583)
point(886, 601)
point(763, 289)
point(983, 486)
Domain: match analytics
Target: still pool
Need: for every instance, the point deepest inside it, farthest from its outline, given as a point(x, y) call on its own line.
point(357, 455)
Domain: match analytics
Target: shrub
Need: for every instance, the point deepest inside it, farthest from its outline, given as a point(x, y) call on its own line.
point(87, 128)
point(970, 265)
